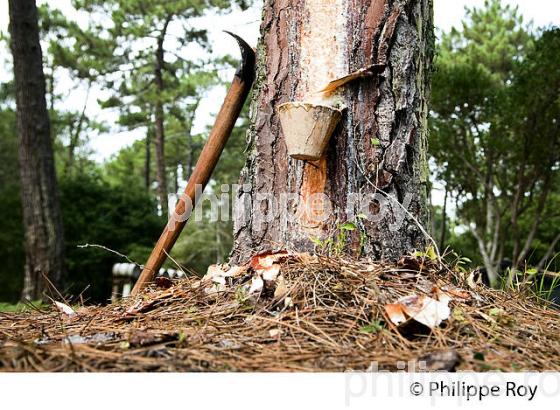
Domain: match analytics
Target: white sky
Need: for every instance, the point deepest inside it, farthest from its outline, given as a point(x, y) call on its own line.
point(448, 13)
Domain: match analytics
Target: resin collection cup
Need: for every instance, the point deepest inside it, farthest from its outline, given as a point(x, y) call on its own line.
point(307, 128)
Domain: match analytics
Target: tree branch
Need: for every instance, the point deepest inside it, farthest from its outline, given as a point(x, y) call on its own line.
point(549, 252)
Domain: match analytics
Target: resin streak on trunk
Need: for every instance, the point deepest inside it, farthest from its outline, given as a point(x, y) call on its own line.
point(379, 145)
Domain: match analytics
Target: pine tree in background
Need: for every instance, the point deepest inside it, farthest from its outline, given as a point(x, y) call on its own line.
point(494, 138)
point(153, 84)
point(42, 220)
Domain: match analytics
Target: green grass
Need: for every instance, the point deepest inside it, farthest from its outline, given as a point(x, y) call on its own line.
point(533, 281)
point(20, 307)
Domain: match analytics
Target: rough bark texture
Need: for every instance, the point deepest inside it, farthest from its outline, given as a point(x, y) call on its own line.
point(44, 245)
point(378, 149)
point(148, 160)
point(161, 173)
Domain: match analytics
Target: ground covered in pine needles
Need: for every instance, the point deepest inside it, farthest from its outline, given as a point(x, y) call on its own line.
point(295, 313)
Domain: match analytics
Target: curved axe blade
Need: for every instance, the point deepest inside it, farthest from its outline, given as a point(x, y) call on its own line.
point(246, 70)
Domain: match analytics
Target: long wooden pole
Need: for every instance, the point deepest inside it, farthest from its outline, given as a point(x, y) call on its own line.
point(207, 161)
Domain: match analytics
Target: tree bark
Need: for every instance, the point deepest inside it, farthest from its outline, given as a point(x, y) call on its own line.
point(189, 163)
point(376, 160)
point(148, 160)
point(75, 136)
point(489, 263)
point(161, 173)
point(44, 244)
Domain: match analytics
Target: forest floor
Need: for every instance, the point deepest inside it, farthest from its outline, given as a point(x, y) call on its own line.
point(295, 313)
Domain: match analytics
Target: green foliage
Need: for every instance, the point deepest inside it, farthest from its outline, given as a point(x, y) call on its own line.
point(204, 242)
point(494, 139)
point(207, 242)
point(491, 38)
point(374, 327)
point(73, 47)
point(336, 244)
point(127, 166)
point(472, 72)
point(462, 264)
point(112, 48)
point(430, 253)
point(495, 134)
point(11, 230)
point(21, 307)
point(121, 218)
point(143, 40)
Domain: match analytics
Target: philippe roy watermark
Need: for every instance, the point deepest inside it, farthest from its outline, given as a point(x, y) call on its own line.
point(242, 204)
point(411, 381)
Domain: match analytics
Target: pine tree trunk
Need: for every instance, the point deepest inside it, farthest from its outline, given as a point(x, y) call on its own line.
point(148, 160)
point(376, 161)
point(44, 244)
point(161, 173)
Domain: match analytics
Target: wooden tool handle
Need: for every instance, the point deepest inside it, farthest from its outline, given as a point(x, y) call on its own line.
point(225, 121)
